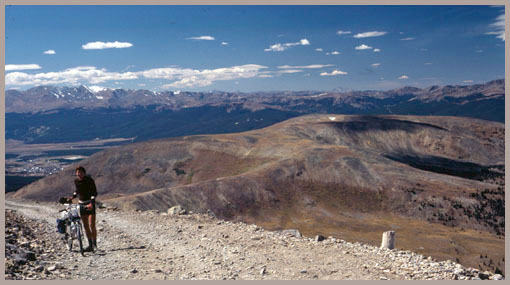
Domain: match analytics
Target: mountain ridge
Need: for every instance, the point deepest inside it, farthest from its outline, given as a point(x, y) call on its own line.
point(50, 97)
point(38, 116)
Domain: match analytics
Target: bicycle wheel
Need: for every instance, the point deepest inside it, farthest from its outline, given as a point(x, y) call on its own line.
point(79, 236)
point(68, 238)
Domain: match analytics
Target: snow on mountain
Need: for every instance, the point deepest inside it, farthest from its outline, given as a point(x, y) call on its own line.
point(96, 89)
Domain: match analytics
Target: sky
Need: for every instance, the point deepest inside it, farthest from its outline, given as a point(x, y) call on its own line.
point(253, 48)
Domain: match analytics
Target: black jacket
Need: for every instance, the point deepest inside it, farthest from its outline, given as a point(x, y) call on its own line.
point(85, 189)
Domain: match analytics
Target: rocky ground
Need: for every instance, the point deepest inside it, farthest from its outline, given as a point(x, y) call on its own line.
point(151, 246)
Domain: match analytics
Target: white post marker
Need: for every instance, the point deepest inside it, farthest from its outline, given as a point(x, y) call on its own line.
point(388, 240)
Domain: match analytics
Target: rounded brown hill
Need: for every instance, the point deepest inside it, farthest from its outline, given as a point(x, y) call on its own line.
point(436, 181)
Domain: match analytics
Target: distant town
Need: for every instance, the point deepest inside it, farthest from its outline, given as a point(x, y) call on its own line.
point(39, 166)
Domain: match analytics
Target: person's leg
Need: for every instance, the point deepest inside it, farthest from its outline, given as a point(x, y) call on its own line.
point(93, 232)
point(86, 225)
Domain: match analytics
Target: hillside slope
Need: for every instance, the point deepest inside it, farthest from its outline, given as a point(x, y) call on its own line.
point(346, 176)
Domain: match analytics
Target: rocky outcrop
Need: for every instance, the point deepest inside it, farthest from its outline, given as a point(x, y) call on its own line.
point(32, 250)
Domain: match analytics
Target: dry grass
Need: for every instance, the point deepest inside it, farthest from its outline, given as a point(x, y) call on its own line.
point(441, 242)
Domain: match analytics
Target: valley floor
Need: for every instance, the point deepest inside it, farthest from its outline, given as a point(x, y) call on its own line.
point(153, 246)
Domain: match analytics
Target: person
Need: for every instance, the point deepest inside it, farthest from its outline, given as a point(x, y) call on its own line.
point(86, 192)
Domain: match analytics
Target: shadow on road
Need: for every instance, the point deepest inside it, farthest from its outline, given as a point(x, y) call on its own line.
point(128, 248)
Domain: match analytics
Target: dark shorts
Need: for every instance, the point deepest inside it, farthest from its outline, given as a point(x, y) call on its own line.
point(84, 211)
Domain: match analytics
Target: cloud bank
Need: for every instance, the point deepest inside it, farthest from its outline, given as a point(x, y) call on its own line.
point(202, 38)
point(103, 45)
point(363, 47)
point(312, 66)
point(333, 73)
point(182, 77)
point(343, 32)
point(73, 76)
point(10, 67)
point(282, 47)
point(370, 34)
point(498, 27)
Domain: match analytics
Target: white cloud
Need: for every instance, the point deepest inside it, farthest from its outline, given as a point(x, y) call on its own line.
point(276, 47)
point(370, 34)
point(376, 50)
point(224, 43)
point(73, 76)
point(265, 76)
point(50, 51)
point(343, 32)
point(9, 67)
point(498, 27)
point(479, 51)
point(182, 77)
point(312, 66)
point(282, 47)
point(407, 39)
point(199, 78)
point(290, 71)
point(333, 73)
point(318, 49)
point(304, 42)
point(403, 77)
point(363, 46)
point(202, 38)
point(468, 81)
point(103, 45)
point(333, 53)
point(428, 63)
point(375, 64)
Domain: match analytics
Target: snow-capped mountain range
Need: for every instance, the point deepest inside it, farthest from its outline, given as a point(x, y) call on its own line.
point(45, 98)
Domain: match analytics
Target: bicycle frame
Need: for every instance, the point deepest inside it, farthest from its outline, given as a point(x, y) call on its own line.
point(74, 230)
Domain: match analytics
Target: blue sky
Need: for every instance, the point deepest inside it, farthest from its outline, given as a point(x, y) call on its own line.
point(253, 48)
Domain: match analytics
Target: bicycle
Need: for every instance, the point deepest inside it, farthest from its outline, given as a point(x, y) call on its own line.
point(70, 224)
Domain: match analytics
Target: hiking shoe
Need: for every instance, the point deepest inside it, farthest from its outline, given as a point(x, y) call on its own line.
point(90, 248)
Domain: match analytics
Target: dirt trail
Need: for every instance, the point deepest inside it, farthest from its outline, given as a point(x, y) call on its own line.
point(150, 245)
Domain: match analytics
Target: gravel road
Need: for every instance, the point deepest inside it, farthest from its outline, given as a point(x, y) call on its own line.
point(155, 246)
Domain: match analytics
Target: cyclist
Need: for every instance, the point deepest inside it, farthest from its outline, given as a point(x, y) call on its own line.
point(86, 192)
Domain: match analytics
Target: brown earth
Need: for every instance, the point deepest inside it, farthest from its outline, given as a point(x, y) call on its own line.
point(436, 181)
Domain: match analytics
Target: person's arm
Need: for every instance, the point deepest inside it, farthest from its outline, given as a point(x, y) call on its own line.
point(93, 193)
point(93, 189)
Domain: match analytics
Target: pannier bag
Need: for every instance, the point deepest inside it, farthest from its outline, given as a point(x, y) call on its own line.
point(64, 215)
point(61, 226)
